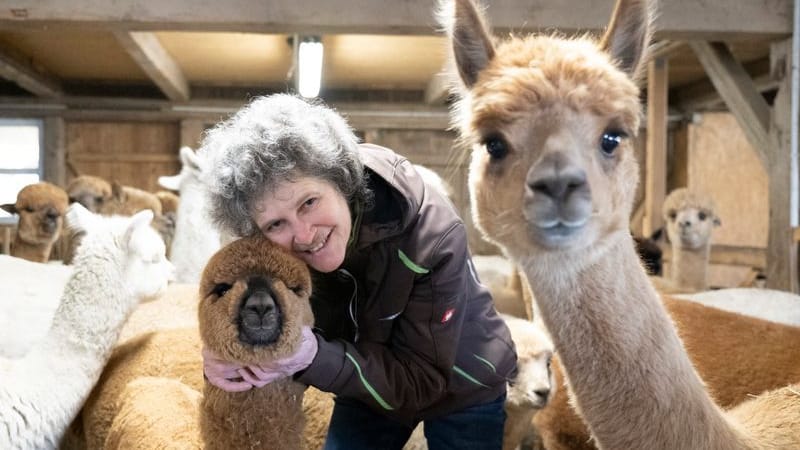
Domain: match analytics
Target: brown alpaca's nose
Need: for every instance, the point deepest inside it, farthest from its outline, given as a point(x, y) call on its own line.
point(260, 303)
point(259, 313)
point(558, 183)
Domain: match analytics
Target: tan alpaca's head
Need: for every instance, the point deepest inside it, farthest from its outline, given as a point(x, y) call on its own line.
point(41, 207)
point(254, 299)
point(90, 191)
point(690, 217)
point(550, 123)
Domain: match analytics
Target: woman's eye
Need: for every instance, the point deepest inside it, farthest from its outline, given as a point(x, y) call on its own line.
point(610, 141)
point(274, 226)
point(221, 289)
point(310, 202)
point(496, 147)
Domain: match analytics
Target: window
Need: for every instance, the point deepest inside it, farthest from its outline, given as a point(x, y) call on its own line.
point(20, 157)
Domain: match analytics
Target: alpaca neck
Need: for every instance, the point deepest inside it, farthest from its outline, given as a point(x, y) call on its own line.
point(31, 252)
point(689, 268)
point(93, 308)
point(630, 375)
point(270, 417)
point(195, 238)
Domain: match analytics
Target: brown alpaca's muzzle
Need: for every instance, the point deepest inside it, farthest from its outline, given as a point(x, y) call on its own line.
point(259, 319)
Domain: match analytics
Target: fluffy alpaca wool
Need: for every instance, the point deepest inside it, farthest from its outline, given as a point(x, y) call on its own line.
point(119, 263)
point(196, 238)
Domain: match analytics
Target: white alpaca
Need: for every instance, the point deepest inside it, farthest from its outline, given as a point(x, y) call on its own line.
point(690, 220)
point(552, 179)
point(28, 303)
point(767, 304)
point(196, 238)
point(120, 262)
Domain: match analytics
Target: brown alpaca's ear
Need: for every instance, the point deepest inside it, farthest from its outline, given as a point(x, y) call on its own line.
point(628, 35)
point(10, 208)
point(472, 43)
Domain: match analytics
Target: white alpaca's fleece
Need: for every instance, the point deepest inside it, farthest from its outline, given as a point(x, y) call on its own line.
point(768, 304)
point(31, 294)
point(196, 237)
point(120, 262)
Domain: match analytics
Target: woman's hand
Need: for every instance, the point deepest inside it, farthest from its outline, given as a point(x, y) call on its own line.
point(233, 377)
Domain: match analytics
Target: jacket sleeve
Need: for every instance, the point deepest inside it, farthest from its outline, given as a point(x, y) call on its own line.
point(412, 370)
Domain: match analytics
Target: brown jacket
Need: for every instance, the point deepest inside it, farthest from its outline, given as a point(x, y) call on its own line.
point(404, 325)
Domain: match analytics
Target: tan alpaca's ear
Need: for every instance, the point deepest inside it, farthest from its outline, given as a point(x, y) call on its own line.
point(471, 41)
point(628, 35)
point(10, 208)
point(116, 191)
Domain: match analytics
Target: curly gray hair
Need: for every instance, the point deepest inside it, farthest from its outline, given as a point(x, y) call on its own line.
point(274, 139)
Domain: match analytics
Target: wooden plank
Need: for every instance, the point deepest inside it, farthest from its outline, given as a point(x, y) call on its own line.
point(656, 153)
point(687, 19)
point(738, 91)
point(731, 255)
point(151, 56)
point(781, 249)
point(55, 150)
point(702, 95)
point(126, 158)
point(27, 77)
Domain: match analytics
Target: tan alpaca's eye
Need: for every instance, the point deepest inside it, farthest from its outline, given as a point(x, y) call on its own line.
point(610, 141)
point(672, 214)
point(496, 147)
point(702, 215)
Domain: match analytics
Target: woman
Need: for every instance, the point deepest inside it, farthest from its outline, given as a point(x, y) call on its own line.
point(404, 330)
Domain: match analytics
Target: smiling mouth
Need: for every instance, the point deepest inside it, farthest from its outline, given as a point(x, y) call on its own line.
point(318, 246)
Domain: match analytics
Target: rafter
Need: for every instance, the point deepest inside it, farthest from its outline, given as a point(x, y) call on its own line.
point(151, 56)
point(686, 19)
point(27, 77)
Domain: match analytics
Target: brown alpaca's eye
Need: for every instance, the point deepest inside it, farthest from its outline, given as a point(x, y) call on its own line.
point(610, 141)
point(496, 147)
point(221, 289)
point(28, 209)
point(672, 214)
point(298, 290)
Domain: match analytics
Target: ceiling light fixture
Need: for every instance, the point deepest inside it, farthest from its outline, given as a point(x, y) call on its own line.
point(309, 66)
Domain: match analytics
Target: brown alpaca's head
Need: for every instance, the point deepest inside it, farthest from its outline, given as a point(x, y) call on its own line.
point(550, 122)
point(90, 191)
point(254, 299)
point(41, 208)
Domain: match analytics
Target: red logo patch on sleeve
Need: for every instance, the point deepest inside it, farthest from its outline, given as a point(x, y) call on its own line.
point(448, 315)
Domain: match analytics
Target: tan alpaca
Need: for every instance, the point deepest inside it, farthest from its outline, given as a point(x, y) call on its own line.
point(552, 180)
point(690, 220)
point(127, 200)
point(90, 191)
point(41, 207)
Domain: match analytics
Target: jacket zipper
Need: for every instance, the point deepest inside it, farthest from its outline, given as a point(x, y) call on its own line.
point(353, 306)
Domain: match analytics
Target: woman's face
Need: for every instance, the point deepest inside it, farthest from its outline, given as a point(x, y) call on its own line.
point(309, 217)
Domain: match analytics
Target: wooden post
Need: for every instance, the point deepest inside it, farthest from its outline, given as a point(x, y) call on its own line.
point(656, 165)
point(55, 151)
point(781, 249)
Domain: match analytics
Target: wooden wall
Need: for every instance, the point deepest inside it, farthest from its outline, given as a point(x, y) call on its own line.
point(132, 153)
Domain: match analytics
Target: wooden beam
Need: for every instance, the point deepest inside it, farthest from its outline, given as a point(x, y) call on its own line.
point(126, 158)
point(701, 95)
point(27, 77)
point(739, 93)
point(55, 150)
point(151, 56)
point(781, 249)
point(656, 153)
point(687, 19)
point(438, 89)
point(730, 255)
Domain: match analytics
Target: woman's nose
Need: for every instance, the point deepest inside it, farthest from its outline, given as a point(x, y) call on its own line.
point(303, 233)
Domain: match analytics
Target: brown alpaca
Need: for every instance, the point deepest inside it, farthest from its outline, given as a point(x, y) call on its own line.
point(552, 180)
point(167, 361)
point(690, 219)
point(737, 357)
point(90, 191)
point(169, 201)
point(247, 277)
point(126, 201)
point(41, 207)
